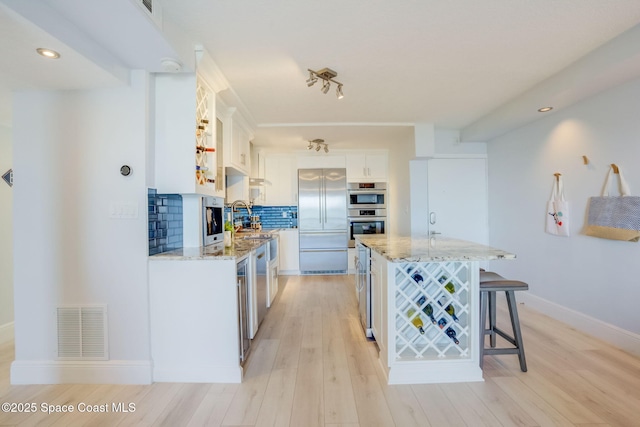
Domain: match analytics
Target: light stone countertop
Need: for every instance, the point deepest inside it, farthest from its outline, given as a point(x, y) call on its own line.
point(239, 249)
point(430, 249)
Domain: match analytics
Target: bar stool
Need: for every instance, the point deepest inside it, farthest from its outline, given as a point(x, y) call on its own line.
point(490, 283)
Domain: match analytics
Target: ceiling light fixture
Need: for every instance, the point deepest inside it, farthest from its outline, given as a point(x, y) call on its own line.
point(48, 53)
point(328, 76)
point(318, 144)
point(545, 109)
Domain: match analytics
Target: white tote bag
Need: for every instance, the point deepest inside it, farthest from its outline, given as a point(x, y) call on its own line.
point(558, 210)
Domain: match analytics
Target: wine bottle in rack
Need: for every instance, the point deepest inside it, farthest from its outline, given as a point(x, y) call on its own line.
point(427, 309)
point(451, 311)
point(417, 321)
point(449, 285)
point(417, 277)
point(205, 149)
point(442, 323)
point(451, 333)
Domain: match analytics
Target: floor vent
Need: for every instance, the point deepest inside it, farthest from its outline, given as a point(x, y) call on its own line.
point(322, 272)
point(82, 332)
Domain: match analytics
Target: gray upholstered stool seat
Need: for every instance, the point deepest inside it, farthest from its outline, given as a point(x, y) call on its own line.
point(490, 283)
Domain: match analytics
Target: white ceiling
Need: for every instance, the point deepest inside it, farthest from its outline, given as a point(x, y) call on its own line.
point(450, 63)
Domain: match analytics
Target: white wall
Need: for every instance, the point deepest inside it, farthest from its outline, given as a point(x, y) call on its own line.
point(591, 282)
point(6, 239)
point(399, 204)
point(68, 149)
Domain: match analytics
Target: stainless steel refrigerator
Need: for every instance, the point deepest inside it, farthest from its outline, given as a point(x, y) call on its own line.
point(322, 220)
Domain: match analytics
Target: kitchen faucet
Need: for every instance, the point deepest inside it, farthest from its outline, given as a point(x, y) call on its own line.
point(238, 202)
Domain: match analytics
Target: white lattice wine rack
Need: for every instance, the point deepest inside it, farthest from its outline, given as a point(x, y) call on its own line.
point(204, 140)
point(435, 297)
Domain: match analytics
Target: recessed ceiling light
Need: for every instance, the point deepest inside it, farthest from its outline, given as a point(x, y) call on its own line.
point(545, 109)
point(48, 53)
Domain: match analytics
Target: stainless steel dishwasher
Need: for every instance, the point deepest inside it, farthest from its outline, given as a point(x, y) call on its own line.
point(261, 282)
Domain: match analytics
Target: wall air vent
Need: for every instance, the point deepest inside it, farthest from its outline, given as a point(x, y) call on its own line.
point(148, 4)
point(82, 332)
point(152, 9)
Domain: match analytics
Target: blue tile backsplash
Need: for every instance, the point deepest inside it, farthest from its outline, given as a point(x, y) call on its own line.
point(165, 222)
point(270, 216)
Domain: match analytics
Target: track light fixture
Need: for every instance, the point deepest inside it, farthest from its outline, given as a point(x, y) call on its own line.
point(318, 144)
point(327, 75)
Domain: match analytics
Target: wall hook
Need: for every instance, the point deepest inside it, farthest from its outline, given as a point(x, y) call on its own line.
point(557, 175)
point(615, 168)
point(585, 160)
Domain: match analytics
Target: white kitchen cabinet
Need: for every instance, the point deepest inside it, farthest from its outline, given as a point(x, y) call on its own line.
point(320, 160)
point(237, 141)
point(280, 180)
point(185, 136)
point(372, 167)
point(289, 252)
point(237, 188)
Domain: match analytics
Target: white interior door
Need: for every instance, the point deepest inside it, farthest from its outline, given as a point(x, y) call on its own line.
point(457, 199)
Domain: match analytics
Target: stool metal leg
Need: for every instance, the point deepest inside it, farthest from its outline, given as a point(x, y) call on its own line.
point(515, 324)
point(483, 323)
point(492, 318)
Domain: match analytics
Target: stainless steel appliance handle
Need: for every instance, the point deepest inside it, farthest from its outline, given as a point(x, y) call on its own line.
point(324, 198)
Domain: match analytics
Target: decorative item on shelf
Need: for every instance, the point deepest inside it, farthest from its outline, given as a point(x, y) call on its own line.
point(228, 230)
point(201, 168)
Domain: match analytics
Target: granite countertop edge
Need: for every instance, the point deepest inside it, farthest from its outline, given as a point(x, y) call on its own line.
point(402, 249)
point(240, 248)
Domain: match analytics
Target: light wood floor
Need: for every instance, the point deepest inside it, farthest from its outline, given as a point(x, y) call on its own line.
point(310, 365)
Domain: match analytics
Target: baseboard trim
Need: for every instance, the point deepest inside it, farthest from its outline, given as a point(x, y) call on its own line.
point(6, 333)
point(612, 334)
point(81, 372)
point(197, 374)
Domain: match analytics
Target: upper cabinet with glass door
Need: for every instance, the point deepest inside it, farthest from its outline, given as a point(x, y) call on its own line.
point(186, 160)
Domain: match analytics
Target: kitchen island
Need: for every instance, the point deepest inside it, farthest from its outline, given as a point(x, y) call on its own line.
point(425, 306)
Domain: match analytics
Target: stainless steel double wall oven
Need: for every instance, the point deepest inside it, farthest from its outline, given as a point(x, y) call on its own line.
point(367, 209)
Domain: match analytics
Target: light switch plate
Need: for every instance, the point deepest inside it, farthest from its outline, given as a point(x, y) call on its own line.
point(123, 210)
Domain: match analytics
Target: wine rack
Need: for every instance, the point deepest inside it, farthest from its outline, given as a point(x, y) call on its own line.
point(204, 140)
point(431, 301)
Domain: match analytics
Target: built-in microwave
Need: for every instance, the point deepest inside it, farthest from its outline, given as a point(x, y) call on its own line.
point(371, 195)
point(212, 220)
